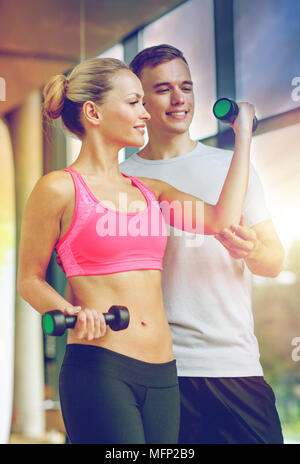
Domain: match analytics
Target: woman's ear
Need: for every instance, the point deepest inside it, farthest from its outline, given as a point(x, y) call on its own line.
point(91, 113)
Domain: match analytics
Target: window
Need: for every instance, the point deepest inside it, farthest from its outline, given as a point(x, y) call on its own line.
point(276, 157)
point(114, 52)
point(267, 54)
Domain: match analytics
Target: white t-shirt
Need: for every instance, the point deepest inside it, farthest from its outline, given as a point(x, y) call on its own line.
point(207, 294)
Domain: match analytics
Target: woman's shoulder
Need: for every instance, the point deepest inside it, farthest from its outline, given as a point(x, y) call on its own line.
point(55, 181)
point(56, 187)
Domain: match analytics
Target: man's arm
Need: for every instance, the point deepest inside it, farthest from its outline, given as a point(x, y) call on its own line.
point(259, 246)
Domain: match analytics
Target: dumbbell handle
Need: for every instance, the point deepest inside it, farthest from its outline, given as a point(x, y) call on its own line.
point(71, 320)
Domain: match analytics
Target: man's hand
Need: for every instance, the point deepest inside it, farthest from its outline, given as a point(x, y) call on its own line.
point(259, 246)
point(240, 240)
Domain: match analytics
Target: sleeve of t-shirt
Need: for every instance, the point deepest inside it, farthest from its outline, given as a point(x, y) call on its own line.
point(255, 208)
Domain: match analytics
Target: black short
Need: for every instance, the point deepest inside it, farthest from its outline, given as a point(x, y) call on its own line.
point(107, 397)
point(238, 410)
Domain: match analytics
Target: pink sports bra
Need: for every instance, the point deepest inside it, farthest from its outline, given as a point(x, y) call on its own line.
point(102, 240)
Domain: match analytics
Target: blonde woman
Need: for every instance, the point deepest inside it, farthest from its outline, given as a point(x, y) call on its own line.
point(115, 387)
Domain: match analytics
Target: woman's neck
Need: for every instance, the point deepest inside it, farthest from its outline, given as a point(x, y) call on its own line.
point(98, 157)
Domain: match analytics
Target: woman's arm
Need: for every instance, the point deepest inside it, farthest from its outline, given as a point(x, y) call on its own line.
point(192, 214)
point(39, 234)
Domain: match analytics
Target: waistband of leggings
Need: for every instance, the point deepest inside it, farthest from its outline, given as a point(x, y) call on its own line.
point(129, 369)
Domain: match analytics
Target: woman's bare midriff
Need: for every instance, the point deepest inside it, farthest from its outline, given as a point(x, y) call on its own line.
point(148, 337)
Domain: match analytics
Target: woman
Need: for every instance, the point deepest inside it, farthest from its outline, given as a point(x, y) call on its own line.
point(115, 387)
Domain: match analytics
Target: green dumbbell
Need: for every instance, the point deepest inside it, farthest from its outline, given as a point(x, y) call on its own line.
point(56, 322)
point(227, 110)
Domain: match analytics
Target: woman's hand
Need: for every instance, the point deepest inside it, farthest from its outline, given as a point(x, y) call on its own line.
point(90, 323)
point(244, 120)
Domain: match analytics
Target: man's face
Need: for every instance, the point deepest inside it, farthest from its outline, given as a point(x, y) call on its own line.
point(169, 96)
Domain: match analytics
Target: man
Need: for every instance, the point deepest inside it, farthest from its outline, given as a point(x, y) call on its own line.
point(206, 285)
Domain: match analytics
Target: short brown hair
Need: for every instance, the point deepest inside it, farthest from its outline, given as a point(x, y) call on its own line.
point(153, 56)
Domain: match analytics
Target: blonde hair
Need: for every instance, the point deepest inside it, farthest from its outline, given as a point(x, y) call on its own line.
point(89, 81)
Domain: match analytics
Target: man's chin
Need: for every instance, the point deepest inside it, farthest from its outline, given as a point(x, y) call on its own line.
point(177, 129)
point(169, 127)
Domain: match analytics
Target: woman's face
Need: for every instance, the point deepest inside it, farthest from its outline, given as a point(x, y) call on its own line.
point(122, 114)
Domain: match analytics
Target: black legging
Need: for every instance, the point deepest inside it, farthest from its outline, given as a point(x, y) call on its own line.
point(107, 397)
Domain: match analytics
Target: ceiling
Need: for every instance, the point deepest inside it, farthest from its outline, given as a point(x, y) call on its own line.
point(39, 38)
